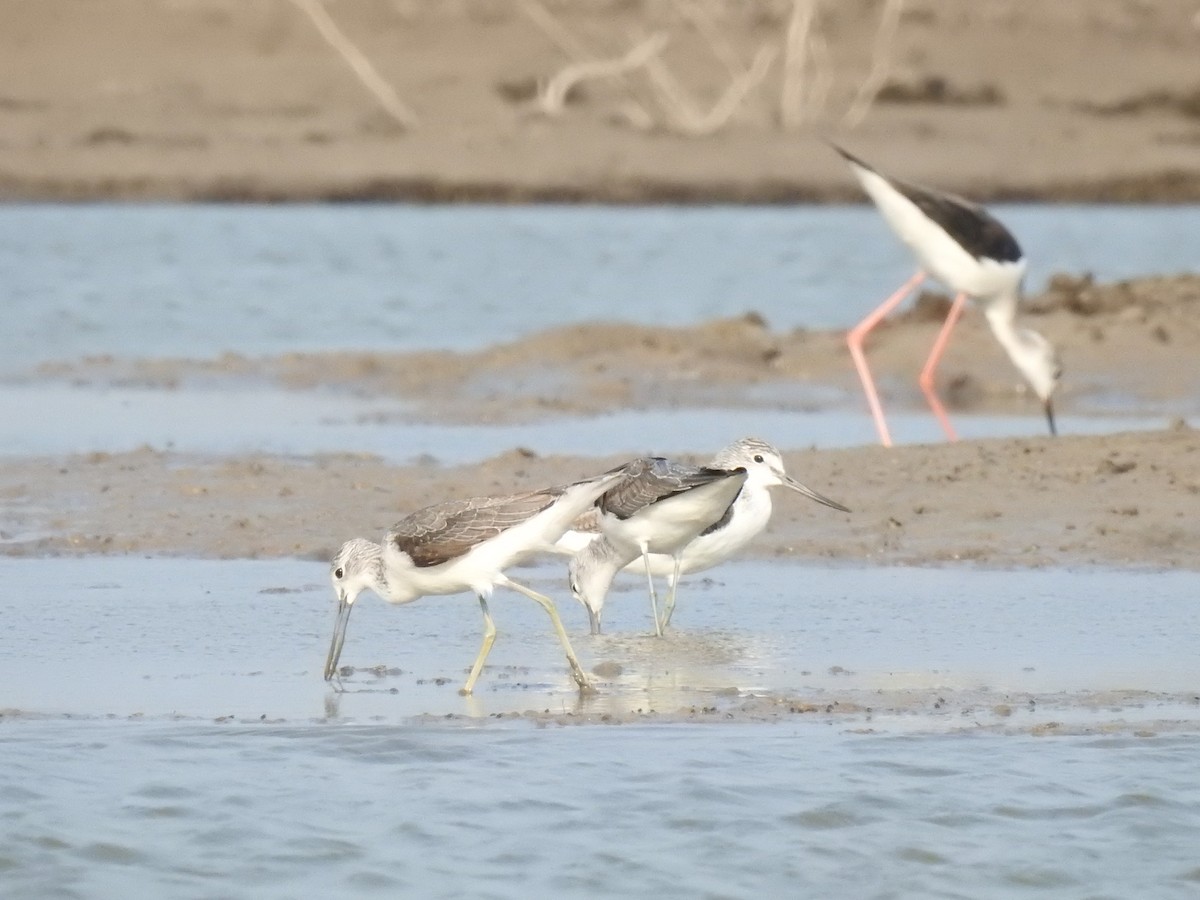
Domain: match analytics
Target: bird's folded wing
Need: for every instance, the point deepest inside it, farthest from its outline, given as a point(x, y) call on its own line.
point(440, 533)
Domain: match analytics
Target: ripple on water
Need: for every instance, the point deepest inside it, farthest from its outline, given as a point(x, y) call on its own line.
point(354, 796)
point(106, 852)
point(829, 816)
point(677, 811)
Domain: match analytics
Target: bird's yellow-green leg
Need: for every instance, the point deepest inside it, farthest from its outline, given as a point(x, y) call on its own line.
point(489, 638)
point(548, 605)
point(653, 593)
point(669, 609)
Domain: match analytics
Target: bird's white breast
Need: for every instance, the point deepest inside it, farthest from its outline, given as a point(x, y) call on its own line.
point(666, 526)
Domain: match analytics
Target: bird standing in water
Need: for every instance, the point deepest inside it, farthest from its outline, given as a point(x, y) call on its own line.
point(597, 561)
point(960, 244)
point(659, 508)
point(458, 546)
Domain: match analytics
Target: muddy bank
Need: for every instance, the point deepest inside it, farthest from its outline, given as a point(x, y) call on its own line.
point(1124, 499)
point(1119, 499)
point(223, 100)
point(1138, 339)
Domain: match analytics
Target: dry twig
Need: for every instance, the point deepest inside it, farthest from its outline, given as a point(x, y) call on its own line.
point(575, 50)
point(881, 62)
point(553, 29)
point(792, 105)
point(358, 62)
point(682, 112)
point(552, 99)
point(702, 20)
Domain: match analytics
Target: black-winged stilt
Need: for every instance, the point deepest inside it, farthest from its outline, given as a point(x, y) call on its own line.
point(960, 244)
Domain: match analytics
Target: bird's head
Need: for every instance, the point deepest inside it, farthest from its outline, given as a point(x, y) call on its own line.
point(764, 468)
point(1039, 362)
point(591, 572)
point(356, 567)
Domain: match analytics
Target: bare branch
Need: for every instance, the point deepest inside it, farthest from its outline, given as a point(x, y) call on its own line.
point(359, 64)
point(575, 50)
point(552, 99)
point(795, 63)
point(558, 34)
point(881, 62)
point(702, 20)
point(682, 111)
point(671, 96)
point(822, 72)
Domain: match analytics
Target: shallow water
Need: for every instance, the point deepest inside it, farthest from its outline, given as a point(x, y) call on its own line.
point(269, 420)
point(207, 638)
point(194, 281)
point(819, 732)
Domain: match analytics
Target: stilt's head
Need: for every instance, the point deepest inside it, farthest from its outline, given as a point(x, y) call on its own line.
point(357, 567)
point(1034, 356)
point(1038, 361)
point(591, 572)
point(764, 466)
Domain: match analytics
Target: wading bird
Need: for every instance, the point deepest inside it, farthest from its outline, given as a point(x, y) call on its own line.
point(746, 515)
point(961, 245)
point(459, 546)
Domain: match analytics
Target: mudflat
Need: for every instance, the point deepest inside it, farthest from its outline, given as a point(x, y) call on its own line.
point(221, 99)
point(1115, 499)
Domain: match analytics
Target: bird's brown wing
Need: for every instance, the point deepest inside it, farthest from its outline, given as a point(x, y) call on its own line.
point(588, 521)
point(445, 531)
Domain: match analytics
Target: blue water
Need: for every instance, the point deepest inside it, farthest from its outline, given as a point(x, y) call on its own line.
point(173, 737)
point(194, 281)
point(210, 421)
point(164, 730)
point(267, 811)
point(200, 639)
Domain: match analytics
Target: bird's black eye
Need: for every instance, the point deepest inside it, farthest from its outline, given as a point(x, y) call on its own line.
point(758, 457)
point(338, 572)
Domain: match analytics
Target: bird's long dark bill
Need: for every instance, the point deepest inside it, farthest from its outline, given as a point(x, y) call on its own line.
point(1050, 418)
point(813, 495)
point(339, 637)
point(593, 620)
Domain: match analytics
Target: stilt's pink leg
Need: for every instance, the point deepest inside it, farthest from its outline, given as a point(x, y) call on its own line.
point(855, 340)
point(935, 356)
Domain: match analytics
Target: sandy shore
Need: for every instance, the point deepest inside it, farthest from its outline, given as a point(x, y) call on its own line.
point(222, 99)
point(1126, 499)
point(1122, 499)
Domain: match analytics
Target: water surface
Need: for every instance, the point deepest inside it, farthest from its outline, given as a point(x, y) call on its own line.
point(293, 423)
point(283, 811)
point(211, 638)
point(196, 280)
point(818, 732)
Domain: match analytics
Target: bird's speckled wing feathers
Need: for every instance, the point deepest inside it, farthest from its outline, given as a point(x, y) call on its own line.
point(588, 521)
point(651, 479)
point(440, 533)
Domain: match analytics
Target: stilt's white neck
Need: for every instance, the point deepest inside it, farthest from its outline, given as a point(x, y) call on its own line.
point(1001, 312)
point(1031, 353)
